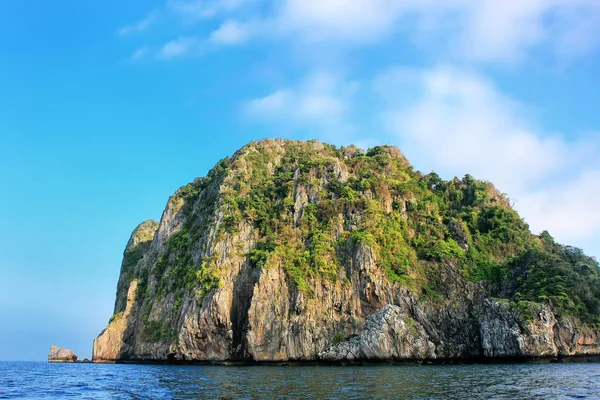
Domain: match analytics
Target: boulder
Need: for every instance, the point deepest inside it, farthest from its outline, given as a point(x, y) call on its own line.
point(58, 354)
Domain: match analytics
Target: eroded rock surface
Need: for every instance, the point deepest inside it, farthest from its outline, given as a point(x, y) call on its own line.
point(58, 354)
point(389, 334)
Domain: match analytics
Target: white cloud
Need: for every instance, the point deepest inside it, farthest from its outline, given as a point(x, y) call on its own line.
point(502, 30)
point(140, 53)
point(230, 32)
point(139, 26)
point(180, 47)
point(568, 209)
point(456, 122)
point(475, 30)
point(322, 102)
point(505, 31)
point(310, 21)
point(204, 9)
point(355, 20)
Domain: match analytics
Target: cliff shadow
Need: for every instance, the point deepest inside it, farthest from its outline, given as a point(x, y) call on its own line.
point(243, 291)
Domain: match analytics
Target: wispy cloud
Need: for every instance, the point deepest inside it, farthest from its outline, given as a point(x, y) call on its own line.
point(474, 30)
point(568, 208)
point(139, 26)
point(180, 47)
point(231, 32)
point(203, 9)
point(140, 53)
point(348, 20)
point(322, 102)
point(509, 30)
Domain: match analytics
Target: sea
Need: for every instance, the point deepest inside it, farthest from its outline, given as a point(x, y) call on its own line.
point(39, 380)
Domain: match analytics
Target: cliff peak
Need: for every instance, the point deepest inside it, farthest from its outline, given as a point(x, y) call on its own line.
point(144, 232)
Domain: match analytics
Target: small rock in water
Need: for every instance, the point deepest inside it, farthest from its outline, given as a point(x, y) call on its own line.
point(58, 354)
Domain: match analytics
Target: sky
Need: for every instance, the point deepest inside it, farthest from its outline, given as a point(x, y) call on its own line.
point(106, 108)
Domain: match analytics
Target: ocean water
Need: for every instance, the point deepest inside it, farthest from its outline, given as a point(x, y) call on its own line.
point(26, 380)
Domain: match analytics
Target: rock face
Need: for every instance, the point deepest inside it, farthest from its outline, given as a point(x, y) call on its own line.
point(58, 354)
point(112, 344)
point(300, 251)
point(388, 334)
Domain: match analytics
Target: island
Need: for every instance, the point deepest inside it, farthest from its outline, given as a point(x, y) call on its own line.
point(301, 251)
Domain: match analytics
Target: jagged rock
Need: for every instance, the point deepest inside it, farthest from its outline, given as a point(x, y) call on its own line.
point(111, 344)
point(505, 333)
point(389, 334)
point(58, 354)
point(458, 234)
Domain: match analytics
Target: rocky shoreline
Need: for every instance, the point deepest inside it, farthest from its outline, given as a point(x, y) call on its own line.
point(367, 362)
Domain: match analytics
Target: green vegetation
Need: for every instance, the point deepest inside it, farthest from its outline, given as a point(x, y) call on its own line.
point(338, 338)
point(314, 207)
point(156, 331)
point(412, 327)
point(115, 317)
point(560, 275)
point(528, 310)
point(174, 269)
point(133, 254)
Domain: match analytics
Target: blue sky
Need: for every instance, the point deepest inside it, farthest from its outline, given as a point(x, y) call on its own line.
point(106, 108)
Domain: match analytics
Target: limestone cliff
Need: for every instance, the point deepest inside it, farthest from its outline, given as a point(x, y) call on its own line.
point(303, 251)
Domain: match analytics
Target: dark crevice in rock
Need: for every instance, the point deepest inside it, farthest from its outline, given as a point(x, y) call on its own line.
point(243, 290)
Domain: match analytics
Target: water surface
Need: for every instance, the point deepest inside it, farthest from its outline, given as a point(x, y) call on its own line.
point(97, 381)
